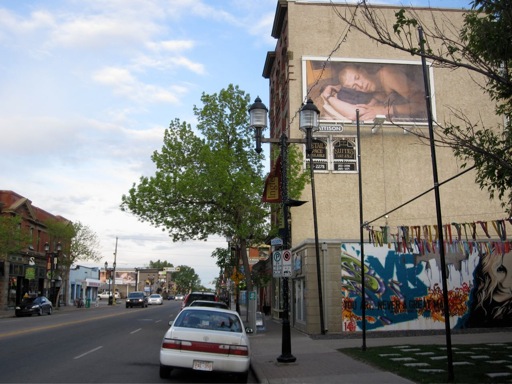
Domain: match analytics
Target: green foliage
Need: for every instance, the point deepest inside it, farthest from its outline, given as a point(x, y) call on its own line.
point(13, 238)
point(186, 280)
point(209, 183)
point(160, 264)
point(78, 241)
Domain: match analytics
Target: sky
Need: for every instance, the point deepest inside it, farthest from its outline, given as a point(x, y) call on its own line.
point(87, 89)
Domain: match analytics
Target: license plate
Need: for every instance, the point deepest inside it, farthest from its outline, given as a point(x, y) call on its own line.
point(202, 365)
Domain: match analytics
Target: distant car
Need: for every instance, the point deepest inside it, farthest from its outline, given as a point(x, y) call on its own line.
point(106, 295)
point(179, 297)
point(193, 296)
point(34, 306)
point(206, 339)
point(171, 297)
point(155, 298)
point(207, 303)
point(136, 299)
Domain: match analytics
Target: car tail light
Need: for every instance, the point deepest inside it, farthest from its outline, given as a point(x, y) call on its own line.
point(197, 346)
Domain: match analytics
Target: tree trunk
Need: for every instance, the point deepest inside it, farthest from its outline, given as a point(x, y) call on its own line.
point(245, 260)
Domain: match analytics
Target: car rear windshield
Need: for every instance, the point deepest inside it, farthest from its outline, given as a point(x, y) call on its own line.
point(200, 296)
point(136, 294)
point(210, 320)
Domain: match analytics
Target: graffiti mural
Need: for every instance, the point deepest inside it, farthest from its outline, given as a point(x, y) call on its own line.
point(403, 290)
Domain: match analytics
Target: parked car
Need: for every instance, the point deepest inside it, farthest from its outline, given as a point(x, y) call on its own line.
point(227, 347)
point(136, 299)
point(34, 306)
point(208, 303)
point(193, 296)
point(155, 298)
point(106, 295)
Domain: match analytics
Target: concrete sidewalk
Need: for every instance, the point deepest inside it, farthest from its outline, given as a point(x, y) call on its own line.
point(318, 360)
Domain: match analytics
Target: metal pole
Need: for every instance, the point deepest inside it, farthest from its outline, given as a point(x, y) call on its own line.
point(446, 304)
point(114, 276)
point(286, 348)
point(361, 237)
point(317, 247)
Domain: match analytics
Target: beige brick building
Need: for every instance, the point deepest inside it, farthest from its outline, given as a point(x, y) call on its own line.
point(313, 46)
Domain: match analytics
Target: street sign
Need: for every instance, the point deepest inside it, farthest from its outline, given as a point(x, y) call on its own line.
point(287, 263)
point(277, 264)
point(276, 241)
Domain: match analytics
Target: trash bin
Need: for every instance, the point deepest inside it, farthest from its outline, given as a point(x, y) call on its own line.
point(87, 303)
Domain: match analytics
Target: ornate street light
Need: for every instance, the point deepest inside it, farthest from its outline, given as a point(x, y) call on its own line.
point(52, 259)
point(258, 118)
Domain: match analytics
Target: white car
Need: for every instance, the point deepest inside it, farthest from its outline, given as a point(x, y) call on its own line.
point(206, 339)
point(106, 295)
point(155, 298)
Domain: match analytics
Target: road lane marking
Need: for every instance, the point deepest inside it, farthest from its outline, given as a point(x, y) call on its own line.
point(86, 353)
point(52, 326)
point(137, 330)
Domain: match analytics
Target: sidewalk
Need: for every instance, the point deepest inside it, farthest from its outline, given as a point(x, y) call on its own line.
point(318, 360)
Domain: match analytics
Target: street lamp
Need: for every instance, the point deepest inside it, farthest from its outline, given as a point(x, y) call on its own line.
point(52, 259)
point(308, 123)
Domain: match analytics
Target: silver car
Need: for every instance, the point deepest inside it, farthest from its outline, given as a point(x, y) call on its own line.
point(155, 298)
point(206, 339)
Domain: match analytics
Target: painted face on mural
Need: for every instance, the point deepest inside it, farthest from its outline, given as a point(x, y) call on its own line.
point(504, 279)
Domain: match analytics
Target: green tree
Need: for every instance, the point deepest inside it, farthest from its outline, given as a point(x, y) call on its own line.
point(483, 46)
point(13, 238)
point(209, 181)
point(160, 265)
point(186, 279)
point(79, 243)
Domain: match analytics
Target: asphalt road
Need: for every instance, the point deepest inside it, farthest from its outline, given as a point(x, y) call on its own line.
point(108, 344)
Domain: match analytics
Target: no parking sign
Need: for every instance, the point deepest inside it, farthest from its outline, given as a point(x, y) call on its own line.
point(287, 263)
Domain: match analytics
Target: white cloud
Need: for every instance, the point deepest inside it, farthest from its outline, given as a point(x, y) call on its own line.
point(88, 90)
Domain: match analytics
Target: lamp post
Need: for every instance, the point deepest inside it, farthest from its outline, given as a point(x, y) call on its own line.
point(52, 259)
point(114, 276)
point(309, 122)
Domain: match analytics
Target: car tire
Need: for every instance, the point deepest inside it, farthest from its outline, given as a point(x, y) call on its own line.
point(127, 306)
point(50, 311)
point(165, 371)
point(40, 312)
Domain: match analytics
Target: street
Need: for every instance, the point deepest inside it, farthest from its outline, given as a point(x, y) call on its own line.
point(104, 344)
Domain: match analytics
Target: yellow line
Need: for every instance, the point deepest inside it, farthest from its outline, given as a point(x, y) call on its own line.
point(46, 327)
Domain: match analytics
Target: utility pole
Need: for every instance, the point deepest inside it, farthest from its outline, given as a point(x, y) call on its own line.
point(113, 292)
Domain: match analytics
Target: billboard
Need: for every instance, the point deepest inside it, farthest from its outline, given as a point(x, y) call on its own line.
point(394, 89)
